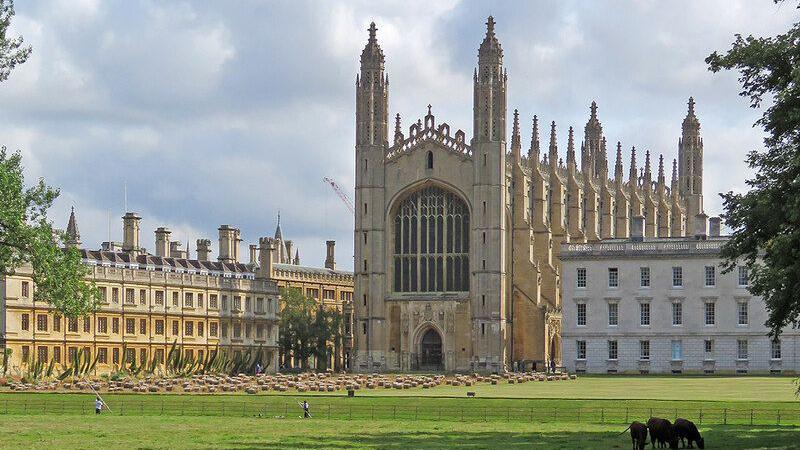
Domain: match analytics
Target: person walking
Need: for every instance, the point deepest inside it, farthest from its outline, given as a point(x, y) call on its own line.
point(306, 414)
point(258, 369)
point(98, 405)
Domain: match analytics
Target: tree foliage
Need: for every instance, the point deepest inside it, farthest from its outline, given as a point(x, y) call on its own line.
point(765, 221)
point(12, 53)
point(27, 237)
point(307, 328)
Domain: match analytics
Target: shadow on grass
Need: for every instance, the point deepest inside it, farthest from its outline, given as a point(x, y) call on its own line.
point(718, 437)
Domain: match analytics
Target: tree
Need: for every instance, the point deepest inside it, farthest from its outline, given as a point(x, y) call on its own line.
point(12, 53)
point(765, 221)
point(27, 237)
point(306, 328)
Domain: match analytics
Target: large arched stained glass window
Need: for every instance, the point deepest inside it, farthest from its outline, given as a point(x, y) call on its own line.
point(431, 242)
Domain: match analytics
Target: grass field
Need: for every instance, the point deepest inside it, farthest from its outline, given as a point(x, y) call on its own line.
point(734, 412)
point(114, 432)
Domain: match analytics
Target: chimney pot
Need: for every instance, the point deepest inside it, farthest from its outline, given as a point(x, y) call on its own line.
point(130, 233)
point(330, 260)
point(714, 225)
point(162, 242)
point(701, 226)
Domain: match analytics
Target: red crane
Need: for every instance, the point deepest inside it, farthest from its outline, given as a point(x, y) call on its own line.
point(336, 188)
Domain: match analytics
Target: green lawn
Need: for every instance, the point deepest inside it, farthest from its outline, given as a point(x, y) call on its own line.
point(774, 389)
point(733, 412)
point(114, 432)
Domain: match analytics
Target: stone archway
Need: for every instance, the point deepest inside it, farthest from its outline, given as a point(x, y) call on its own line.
point(430, 351)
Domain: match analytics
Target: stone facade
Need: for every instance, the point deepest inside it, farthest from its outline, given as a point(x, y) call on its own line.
point(681, 334)
point(148, 302)
point(330, 287)
point(489, 298)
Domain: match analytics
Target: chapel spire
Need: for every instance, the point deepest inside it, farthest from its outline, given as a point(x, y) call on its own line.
point(553, 153)
point(618, 164)
point(533, 153)
point(633, 174)
point(516, 146)
point(489, 107)
point(73, 235)
point(571, 150)
point(372, 95)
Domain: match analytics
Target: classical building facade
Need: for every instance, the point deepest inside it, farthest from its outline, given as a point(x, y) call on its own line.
point(148, 301)
point(663, 305)
point(457, 241)
point(330, 287)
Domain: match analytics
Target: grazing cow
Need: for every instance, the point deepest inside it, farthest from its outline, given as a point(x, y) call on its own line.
point(638, 435)
point(685, 429)
point(661, 431)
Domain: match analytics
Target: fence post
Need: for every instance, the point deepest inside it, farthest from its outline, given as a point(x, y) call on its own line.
point(462, 414)
point(531, 414)
point(285, 409)
point(162, 406)
point(555, 414)
point(394, 412)
point(351, 411)
point(725, 416)
point(626, 414)
point(579, 414)
point(484, 414)
point(651, 412)
point(329, 410)
point(676, 413)
point(508, 415)
point(121, 407)
point(6, 406)
point(222, 403)
point(416, 411)
point(751, 417)
point(602, 415)
point(244, 408)
point(141, 408)
point(779, 417)
point(701, 417)
point(373, 412)
point(26, 406)
point(440, 414)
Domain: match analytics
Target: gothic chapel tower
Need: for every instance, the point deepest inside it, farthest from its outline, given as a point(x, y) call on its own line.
point(372, 103)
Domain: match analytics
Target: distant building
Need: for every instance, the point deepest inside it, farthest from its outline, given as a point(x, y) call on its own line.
point(330, 287)
point(663, 305)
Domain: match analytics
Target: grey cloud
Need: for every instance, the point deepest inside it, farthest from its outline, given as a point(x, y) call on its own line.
point(227, 112)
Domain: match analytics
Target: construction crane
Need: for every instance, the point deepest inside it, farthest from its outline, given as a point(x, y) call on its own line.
point(336, 188)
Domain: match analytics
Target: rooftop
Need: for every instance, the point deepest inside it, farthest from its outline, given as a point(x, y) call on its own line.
point(677, 246)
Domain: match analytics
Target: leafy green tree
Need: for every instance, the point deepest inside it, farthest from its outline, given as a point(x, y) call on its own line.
point(765, 221)
point(12, 53)
point(306, 328)
point(27, 237)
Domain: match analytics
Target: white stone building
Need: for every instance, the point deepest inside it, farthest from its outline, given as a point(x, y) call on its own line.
point(663, 305)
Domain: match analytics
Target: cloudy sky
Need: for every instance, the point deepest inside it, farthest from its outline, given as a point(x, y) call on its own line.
point(227, 112)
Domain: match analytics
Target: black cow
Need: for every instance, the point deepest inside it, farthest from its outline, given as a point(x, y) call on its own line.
point(685, 429)
point(638, 435)
point(661, 431)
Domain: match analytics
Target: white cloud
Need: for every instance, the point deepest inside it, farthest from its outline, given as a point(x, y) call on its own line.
point(213, 114)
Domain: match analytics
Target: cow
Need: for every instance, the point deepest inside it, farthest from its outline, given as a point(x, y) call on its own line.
point(661, 431)
point(638, 435)
point(685, 429)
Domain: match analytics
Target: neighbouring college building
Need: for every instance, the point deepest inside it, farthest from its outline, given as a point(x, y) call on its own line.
point(663, 305)
point(148, 301)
